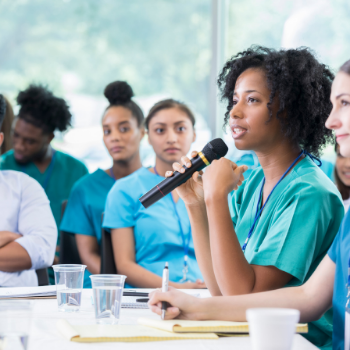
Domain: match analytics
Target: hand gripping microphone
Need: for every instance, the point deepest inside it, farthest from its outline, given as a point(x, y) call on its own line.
point(214, 149)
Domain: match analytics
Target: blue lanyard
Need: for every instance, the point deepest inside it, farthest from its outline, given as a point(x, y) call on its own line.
point(48, 171)
point(186, 243)
point(112, 173)
point(258, 212)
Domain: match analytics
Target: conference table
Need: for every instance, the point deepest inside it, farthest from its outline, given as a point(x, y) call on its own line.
point(45, 336)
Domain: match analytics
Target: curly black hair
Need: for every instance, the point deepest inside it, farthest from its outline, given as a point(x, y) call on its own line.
point(302, 85)
point(119, 93)
point(2, 109)
point(41, 108)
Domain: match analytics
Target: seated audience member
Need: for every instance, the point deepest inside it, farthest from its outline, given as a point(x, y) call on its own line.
point(40, 115)
point(6, 127)
point(28, 231)
point(329, 281)
point(123, 131)
point(144, 239)
point(286, 215)
point(342, 177)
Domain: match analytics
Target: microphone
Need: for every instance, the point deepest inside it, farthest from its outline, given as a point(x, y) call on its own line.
point(214, 149)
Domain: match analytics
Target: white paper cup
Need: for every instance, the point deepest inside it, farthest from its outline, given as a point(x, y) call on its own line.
point(272, 329)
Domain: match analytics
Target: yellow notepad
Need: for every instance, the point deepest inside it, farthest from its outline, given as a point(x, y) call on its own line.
point(184, 326)
point(122, 333)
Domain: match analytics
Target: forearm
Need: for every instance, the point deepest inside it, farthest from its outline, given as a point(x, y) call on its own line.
point(7, 237)
point(14, 258)
point(138, 276)
point(233, 308)
point(200, 233)
point(233, 273)
point(92, 262)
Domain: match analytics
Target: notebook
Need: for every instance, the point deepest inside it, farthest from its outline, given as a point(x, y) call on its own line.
point(122, 333)
point(218, 327)
point(43, 292)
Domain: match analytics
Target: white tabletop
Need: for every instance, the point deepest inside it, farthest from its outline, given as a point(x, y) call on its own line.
point(44, 335)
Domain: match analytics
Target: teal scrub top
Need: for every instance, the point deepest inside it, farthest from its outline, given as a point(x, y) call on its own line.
point(340, 254)
point(295, 229)
point(157, 232)
point(86, 203)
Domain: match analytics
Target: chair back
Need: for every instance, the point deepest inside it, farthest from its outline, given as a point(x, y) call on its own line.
point(69, 253)
point(108, 265)
point(43, 277)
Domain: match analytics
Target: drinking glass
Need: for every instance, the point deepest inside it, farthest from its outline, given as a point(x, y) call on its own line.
point(15, 320)
point(108, 292)
point(69, 280)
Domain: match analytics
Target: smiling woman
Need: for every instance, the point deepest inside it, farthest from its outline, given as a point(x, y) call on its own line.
point(123, 131)
point(278, 102)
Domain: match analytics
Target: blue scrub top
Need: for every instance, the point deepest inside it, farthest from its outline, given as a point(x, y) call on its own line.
point(339, 253)
point(156, 229)
point(83, 214)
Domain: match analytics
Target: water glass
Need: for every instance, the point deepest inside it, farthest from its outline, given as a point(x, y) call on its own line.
point(272, 328)
point(108, 292)
point(69, 280)
point(15, 320)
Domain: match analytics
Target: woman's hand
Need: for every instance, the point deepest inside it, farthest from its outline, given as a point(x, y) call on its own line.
point(199, 284)
point(191, 192)
point(183, 306)
point(222, 177)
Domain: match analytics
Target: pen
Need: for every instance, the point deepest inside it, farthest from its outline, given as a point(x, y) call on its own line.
point(165, 285)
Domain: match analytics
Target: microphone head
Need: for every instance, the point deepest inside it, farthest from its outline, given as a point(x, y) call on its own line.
point(215, 149)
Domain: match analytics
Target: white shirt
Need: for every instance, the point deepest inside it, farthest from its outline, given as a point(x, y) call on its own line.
point(25, 209)
point(346, 204)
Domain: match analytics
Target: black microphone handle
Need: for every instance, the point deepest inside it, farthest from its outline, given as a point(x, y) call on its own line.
point(170, 183)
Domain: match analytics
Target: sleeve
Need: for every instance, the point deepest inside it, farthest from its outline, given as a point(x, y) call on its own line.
point(77, 218)
point(37, 224)
point(120, 207)
point(303, 226)
point(236, 202)
point(333, 251)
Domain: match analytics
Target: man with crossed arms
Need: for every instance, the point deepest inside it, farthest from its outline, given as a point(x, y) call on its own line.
point(28, 231)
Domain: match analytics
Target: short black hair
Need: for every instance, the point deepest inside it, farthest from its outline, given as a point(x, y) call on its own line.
point(2, 109)
point(302, 85)
point(166, 104)
point(41, 108)
point(119, 93)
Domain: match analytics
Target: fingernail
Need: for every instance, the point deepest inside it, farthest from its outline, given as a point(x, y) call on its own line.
point(188, 165)
point(182, 170)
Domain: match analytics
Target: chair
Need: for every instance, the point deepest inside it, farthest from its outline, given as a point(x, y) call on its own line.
point(108, 265)
point(69, 253)
point(43, 277)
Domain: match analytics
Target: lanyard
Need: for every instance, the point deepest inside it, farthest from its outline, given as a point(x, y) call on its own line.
point(48, 171)
point(258, 212)
point(186, 243)
point(112, 173)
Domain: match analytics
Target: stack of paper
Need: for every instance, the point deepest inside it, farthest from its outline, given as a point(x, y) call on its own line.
point(28, 292)
point(224, 328)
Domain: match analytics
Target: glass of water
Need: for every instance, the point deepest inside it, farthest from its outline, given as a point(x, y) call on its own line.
point(69, 280)
point(108, 292)
point(15, 319)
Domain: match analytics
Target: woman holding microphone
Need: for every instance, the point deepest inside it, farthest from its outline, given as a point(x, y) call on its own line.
point(329, 281)
point(286, 215)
